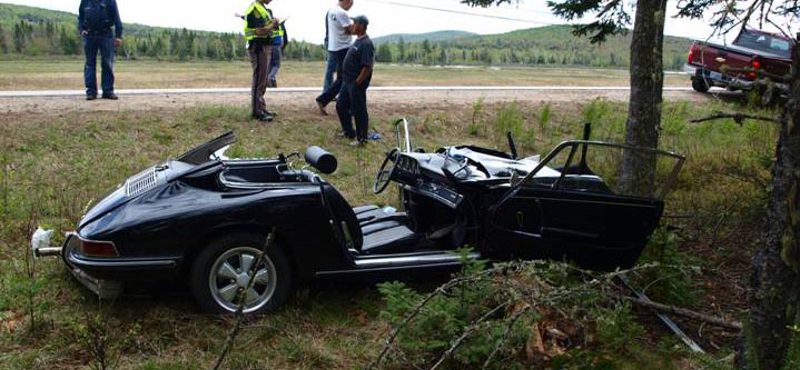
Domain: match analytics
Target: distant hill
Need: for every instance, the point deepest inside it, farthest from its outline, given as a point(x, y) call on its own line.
point(551, 45)
point(30, 31)
point(419, 37)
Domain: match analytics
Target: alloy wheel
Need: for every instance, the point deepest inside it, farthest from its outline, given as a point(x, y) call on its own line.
point(230, 274)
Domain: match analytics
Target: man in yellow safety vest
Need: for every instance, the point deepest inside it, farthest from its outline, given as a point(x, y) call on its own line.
point(258, 30)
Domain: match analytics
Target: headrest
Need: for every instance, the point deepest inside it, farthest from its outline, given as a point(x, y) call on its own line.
point(321, 160)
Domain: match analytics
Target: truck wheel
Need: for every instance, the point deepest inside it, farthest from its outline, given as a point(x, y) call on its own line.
point(700, 85)
point(221, 271)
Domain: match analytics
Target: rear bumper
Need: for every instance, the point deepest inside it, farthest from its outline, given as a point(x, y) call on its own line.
point(105, 276)
point(714, 78)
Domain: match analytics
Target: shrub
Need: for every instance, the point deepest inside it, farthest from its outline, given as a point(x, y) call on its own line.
point(513, 315)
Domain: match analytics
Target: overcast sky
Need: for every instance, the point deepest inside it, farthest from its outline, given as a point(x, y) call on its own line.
point(306, 17)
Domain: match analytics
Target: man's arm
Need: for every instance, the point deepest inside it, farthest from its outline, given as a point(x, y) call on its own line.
point(367, 62)
point(365, 71)
point(81, 27)
point(269, 27)
point(117, 20)
point(285, 38)
point(345, 22)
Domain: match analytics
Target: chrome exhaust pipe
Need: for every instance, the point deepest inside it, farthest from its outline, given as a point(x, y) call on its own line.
point(47, 252)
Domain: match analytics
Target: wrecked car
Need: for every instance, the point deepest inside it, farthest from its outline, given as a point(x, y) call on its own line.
point(204, 218)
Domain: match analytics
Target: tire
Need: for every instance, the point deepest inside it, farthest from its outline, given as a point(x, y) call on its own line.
point(700, 85)
point(218, 274)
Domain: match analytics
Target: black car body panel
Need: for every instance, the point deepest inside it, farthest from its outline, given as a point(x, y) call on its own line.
point(505, 208)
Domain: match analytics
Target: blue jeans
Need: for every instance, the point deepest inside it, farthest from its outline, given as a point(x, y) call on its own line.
point(330, 93)
point(329, 70)
point(274, 66)
point(105, 45)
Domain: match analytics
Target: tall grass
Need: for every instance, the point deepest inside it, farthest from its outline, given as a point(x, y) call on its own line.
point(53, 166)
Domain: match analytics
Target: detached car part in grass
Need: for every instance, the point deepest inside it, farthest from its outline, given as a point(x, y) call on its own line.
point(204, 218)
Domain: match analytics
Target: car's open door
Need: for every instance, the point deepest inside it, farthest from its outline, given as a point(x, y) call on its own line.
point(577, 203)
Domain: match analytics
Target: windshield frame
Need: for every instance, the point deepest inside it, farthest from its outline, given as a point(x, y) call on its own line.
point(576, 143)
point(202, 153)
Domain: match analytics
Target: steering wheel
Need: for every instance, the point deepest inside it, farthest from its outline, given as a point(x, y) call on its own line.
point(385, 175)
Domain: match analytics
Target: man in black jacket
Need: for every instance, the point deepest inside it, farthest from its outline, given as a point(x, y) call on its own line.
point(95, 19)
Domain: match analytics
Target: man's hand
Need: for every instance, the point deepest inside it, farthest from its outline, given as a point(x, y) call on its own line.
point(365, 71)
point(117, 42)
point(84, 33)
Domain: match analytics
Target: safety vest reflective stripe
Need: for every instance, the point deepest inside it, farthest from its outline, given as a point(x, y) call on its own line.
point(278, 32)
point(250, 33)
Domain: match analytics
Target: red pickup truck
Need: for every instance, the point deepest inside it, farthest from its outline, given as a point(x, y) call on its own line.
point(720, 65)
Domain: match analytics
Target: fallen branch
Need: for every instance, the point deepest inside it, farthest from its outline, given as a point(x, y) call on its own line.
point(509, 325)
point(501, 272)
point(439, 291)
point(736, 325)
point(241, 296)
point(475, 326)
point(737, 117)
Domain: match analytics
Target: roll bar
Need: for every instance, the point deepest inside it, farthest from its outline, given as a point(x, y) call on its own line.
point(403, 143)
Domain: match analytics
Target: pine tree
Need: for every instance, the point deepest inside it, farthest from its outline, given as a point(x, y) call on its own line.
point(3, 40)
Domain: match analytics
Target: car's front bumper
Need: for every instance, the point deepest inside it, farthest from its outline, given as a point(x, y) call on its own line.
point(104, 276)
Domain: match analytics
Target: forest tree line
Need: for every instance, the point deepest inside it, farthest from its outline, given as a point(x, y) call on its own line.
point(41, 35)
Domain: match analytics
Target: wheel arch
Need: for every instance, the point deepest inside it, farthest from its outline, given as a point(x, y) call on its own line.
point(212, 235)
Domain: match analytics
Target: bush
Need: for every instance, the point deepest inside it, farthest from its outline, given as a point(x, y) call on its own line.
point(513, 315)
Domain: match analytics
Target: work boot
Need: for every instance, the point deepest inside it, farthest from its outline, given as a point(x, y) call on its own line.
point(91, 97)
point(357, 143)
point(321, 108)
point(110, 96)
point(264, 117)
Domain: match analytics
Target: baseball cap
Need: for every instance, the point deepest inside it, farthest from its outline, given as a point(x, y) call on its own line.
point(361, 19)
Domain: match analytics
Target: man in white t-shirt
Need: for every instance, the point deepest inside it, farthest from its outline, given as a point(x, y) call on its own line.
point(338, 39)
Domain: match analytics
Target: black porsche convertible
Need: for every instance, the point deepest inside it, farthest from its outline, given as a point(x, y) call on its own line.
point(203, 217)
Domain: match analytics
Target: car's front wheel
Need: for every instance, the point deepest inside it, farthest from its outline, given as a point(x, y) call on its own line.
point(221, 274)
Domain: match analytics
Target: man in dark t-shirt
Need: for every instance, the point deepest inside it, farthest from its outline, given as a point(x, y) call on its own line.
point(352, 102)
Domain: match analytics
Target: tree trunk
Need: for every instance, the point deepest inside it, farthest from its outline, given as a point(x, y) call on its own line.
point(644, 108)
point(775, 280)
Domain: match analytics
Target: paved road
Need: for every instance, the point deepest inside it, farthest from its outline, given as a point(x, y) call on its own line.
point(404, 97)
point(62, 93)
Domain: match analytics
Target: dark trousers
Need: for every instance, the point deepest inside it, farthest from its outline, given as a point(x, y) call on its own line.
point(352, 102)
point(330, 93)
point(105, 45)
point(259, 61)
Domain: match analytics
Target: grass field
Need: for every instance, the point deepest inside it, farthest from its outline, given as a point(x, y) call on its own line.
point(53, 165)
point(68, 75)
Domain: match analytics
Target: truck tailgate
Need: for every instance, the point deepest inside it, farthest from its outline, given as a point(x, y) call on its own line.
point(714, 57)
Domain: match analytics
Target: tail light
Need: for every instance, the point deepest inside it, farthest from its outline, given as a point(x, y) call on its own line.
point(755, 64)
point(691, 55)
point(95, 248)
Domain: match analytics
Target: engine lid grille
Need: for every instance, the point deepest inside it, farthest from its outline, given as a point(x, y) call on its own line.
point(141, 183)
